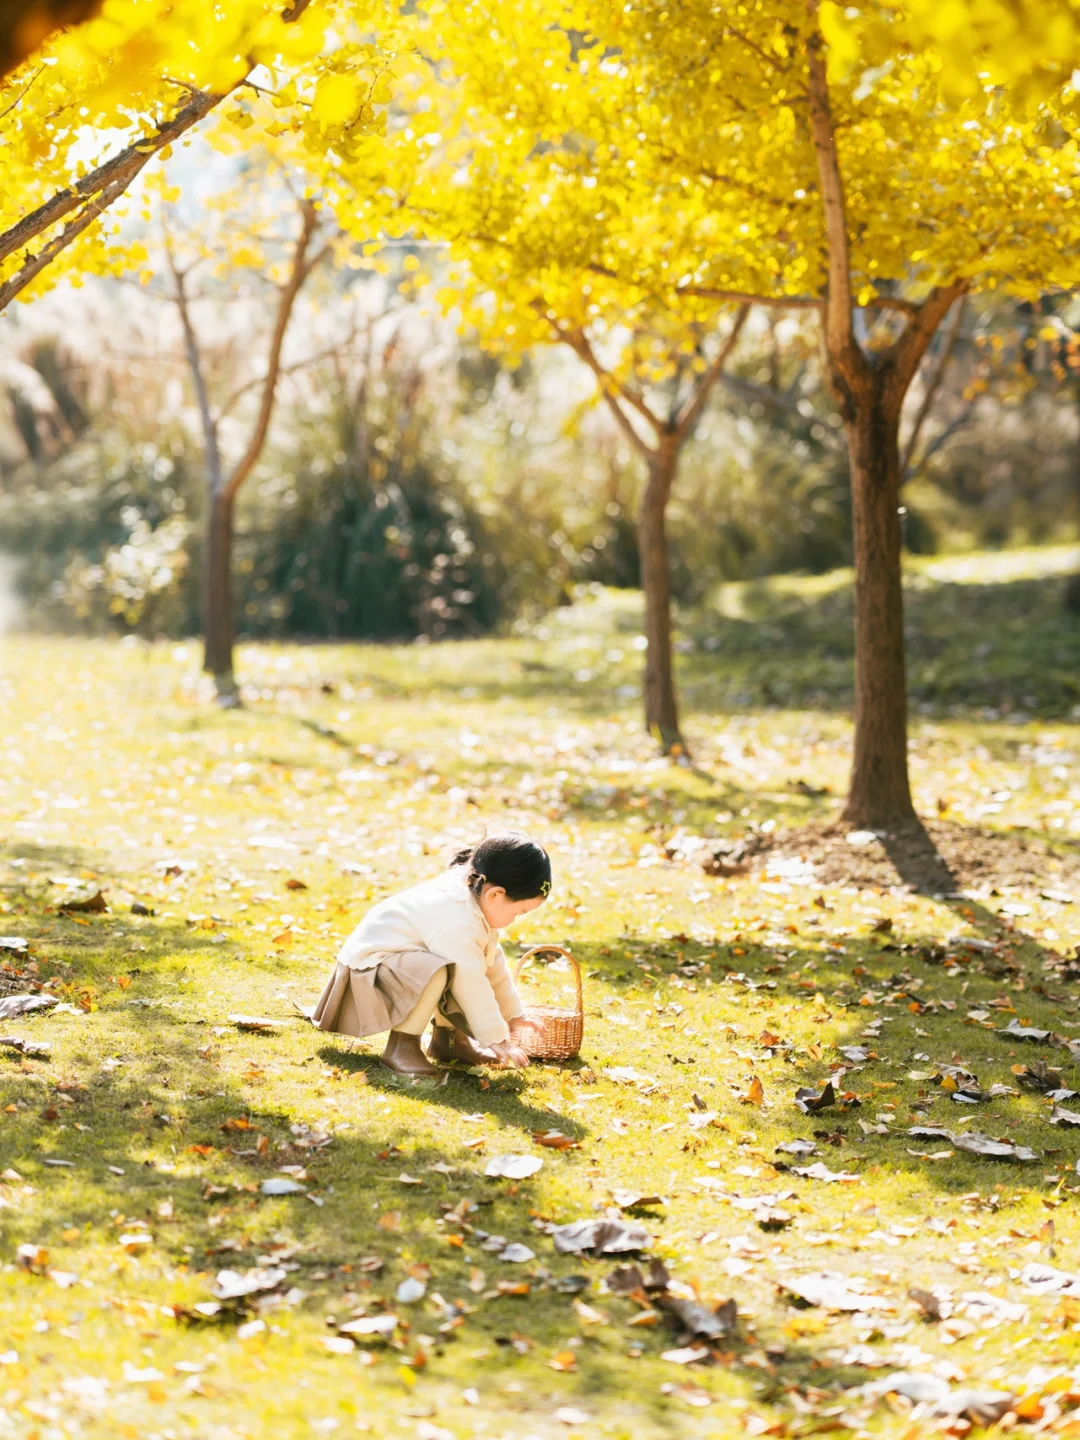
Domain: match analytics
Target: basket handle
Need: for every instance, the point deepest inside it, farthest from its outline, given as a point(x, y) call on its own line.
point(579, 1008)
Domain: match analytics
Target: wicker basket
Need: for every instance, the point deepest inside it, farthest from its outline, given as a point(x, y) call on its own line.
point(563, 1029)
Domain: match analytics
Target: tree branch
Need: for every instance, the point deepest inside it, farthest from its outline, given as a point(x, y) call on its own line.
point(194, 358)
point(950, 430)
point(579, 343)
point(688, 414)
point(907, 352)
point(298, 272)
point(932, 387)
point(739, 297)
point(840, 339)
point(97, 190)
point(784, 402)
point(33, 267)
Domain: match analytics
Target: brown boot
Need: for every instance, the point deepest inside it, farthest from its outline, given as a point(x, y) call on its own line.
point(448, 1043)
point(404, 1056)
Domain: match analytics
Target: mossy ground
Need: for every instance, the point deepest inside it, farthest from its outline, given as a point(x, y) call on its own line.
point(355, 770)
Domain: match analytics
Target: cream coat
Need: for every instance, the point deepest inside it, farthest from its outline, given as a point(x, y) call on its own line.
point(443, 917)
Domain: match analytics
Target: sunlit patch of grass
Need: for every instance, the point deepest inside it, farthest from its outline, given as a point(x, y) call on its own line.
point(114, 771)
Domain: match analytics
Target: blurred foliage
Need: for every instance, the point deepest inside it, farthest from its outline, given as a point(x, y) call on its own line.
point(416, 486)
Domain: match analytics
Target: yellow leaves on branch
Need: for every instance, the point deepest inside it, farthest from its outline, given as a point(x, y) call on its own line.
point(304, 75)
point(663, 162)
point(589, 164)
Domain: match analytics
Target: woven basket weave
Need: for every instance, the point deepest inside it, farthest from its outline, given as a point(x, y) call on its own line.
point(563, 1028)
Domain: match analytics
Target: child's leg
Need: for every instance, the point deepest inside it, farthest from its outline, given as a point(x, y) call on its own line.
point(416, 1022)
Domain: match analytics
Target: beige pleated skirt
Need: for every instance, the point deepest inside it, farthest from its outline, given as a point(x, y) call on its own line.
point(367, 1002)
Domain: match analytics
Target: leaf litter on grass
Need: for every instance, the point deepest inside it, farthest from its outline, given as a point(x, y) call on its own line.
point(795, 1007)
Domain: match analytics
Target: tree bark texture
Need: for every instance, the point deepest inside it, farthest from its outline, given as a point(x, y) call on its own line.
point(1072, 585)
point(879, 793)
point(217, 596)
point(661, 706)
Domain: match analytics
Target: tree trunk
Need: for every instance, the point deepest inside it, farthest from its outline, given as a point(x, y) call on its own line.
point(1072, 585)
point(661, 708)
point(217, 598)
point(880, 794)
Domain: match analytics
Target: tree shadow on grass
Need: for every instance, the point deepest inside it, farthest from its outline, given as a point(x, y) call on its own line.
point(496, 1093)
point(219, 1221)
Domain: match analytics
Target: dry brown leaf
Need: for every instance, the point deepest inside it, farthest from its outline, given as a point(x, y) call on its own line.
point(555, 1140)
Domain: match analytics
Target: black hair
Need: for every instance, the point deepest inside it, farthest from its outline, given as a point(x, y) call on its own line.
point(512, 860)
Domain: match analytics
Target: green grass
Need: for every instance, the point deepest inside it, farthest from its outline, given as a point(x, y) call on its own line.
point(114, 770)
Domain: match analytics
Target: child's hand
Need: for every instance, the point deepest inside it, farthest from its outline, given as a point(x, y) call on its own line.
point(508, 1055)
point(522, 1028)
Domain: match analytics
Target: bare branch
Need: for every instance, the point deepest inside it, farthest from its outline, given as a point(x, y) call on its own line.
point(784, 402)
point(297, 274)
point(932, 387)
point(194, 358)
point(964, 418)
point(579, 343)
point(687, 416)
point(241, 390)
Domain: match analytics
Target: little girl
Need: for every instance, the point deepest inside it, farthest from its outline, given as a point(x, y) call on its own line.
point(432, 951)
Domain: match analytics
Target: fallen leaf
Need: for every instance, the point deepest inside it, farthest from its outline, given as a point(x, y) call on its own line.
point(377, 1325)
point(238, 1284)
point(282, 1186)
point(601, 1237)
point(513, 1167)
point(811, 1101)
point(632, 1200)
point(832, 1292)
point(797, 1147)
point(1015, 1031)
point(339, 1344)
point(553, 1140)
point(627, 1075)
point(927, 1302)
point(571, 1415)
point(90, 903)
point(563, 1360)
point(820, 1171)
point(688, 1355)
point(977, 1144)
point(700, 1320)
point(517, 1254)
point(1038, 1076)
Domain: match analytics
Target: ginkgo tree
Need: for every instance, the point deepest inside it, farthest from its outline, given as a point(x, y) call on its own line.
point(516, 280)
point(728, 153)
